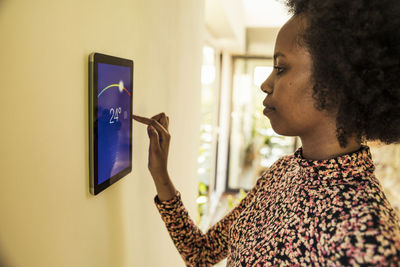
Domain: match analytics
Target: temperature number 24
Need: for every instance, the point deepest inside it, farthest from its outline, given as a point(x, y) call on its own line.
point(115, 114)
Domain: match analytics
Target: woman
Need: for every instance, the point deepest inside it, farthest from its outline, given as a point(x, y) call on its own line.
point(335, 85)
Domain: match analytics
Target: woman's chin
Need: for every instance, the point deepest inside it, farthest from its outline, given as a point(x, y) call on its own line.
point(280, 129)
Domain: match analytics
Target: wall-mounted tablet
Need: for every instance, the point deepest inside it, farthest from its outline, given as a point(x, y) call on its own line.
point(110, 121)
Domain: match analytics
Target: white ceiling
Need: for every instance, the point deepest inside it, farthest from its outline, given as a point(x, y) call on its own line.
point(264, 13)
point(240, 25)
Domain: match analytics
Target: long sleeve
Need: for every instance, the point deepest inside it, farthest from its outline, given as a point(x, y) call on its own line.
point(196, 248)
point(301, 212)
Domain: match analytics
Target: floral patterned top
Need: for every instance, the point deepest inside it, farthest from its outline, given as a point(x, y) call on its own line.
point(300, 212)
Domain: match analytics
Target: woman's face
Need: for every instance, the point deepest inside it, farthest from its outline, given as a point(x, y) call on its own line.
point(289, 85)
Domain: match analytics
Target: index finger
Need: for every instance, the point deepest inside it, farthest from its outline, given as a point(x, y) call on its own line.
point(141, 119)
point(151, 122)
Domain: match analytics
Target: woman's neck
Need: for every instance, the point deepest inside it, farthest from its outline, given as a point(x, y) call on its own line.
point(319, 149)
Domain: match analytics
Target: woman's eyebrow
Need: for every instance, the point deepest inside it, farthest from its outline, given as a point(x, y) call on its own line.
point(278, 54)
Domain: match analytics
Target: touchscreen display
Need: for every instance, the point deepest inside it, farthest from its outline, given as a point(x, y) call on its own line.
point(113, 113)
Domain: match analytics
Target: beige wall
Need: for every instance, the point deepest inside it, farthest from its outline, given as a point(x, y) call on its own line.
point(47, 216)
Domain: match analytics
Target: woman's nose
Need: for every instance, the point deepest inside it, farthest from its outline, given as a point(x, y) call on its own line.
point(266, 86)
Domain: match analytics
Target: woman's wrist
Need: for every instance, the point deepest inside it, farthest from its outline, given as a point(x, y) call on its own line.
point(165, 188)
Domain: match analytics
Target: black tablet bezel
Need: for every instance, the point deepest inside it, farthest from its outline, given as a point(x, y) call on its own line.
point(94, 59)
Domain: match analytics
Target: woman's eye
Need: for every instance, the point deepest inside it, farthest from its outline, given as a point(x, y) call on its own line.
point(279, 70)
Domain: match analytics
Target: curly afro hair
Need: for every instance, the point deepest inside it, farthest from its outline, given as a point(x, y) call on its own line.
point(355, 48)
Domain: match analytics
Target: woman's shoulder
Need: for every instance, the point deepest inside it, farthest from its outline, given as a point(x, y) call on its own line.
point(278, 169)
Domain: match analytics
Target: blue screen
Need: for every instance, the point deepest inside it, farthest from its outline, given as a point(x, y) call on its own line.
point(114, 119)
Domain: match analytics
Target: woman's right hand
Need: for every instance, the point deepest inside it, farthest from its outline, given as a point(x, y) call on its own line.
point(157, 129)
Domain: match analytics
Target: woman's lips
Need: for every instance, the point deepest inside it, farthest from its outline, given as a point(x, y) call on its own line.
point(268, 109)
